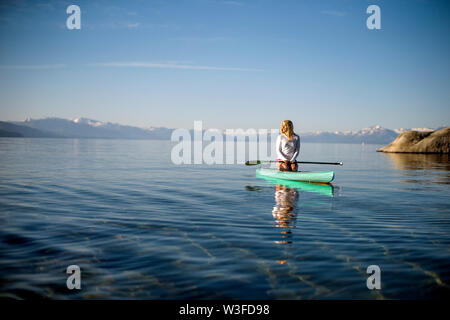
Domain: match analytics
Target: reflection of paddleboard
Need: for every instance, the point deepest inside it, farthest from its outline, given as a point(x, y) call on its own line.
point(326, 189)
point(306, 176)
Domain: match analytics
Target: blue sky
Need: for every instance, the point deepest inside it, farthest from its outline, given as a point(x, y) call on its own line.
point(230, 63)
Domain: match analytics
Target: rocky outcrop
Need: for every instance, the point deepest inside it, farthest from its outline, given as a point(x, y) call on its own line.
point(420, 142)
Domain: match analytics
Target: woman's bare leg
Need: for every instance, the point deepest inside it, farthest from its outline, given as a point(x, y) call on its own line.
point(294, 166)
point(283, 166)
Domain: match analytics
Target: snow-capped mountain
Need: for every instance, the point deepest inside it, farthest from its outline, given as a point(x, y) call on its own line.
point(90, 122)
point(375, 134)
point(401, 130)
point(88, 128)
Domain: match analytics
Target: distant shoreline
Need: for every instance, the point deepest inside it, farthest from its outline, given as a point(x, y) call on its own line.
point(83, 128)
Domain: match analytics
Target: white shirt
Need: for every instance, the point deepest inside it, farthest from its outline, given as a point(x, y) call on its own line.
point(288, 149)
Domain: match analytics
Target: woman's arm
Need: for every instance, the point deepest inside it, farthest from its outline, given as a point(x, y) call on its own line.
point(297, 149)
point(280, 153)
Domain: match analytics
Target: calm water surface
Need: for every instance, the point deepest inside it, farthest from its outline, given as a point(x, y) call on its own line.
point(140, 227)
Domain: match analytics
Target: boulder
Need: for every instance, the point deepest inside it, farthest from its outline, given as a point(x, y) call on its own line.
point(420, 142)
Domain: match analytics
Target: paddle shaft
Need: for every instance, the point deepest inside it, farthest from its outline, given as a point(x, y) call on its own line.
point(252, 163)
point(314, 162)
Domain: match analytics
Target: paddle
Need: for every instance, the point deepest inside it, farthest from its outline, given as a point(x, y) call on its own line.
point(257, 162)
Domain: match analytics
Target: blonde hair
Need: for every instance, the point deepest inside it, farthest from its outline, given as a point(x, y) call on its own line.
point(287, 128)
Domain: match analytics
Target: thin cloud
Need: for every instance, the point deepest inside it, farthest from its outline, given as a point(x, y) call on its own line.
point(133, 25)
point(33, 67)
point(200, 39)
point(334, 13)
point(168, 66)
point(233, 3)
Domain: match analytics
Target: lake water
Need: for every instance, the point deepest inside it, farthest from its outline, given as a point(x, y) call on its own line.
point(142, 228)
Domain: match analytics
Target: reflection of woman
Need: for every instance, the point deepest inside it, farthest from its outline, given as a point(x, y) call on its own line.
point(284, 211)
point(288, 147)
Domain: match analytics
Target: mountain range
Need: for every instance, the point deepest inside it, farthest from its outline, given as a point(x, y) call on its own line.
point(81, 128)
point(88, 128)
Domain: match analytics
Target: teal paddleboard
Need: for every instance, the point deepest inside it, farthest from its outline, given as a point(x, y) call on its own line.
point(325, 189)
point(304, 176)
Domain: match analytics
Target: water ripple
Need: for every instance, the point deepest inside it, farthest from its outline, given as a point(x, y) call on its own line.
point(140, 228)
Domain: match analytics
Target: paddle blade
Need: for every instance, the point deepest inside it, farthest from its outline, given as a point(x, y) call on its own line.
point(252, 163)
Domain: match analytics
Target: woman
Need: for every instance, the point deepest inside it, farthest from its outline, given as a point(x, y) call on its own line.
point(288, 147)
